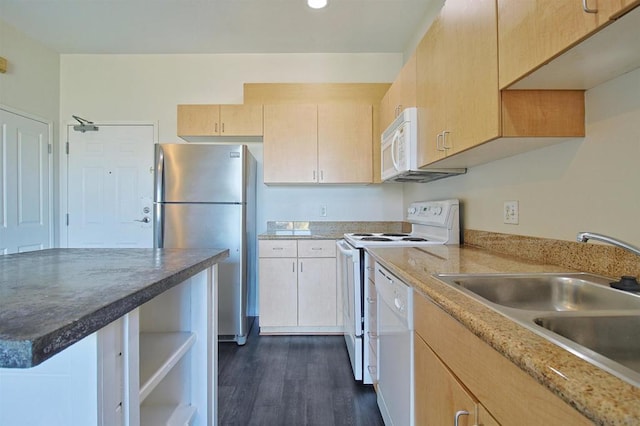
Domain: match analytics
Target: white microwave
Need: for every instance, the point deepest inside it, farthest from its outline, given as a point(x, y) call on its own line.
point(399, 152)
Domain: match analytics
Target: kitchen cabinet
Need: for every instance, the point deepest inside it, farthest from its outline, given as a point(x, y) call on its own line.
point(531, 33)
point(457, 80)
point(325, 144)
point(298, 291)
point(401, 94)
point(219, 120)
point(456, 370)
point(464, 120)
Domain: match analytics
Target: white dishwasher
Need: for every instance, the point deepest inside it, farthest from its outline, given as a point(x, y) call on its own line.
point(395, 349)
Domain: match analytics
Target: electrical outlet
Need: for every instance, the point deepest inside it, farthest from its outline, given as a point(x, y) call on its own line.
point(511, 212)
point(323, 211)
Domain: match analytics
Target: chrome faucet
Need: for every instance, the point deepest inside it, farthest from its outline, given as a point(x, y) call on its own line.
point(583, 237)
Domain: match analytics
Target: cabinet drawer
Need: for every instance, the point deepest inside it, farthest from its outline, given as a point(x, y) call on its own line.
point(316, 248)
point(277, 248)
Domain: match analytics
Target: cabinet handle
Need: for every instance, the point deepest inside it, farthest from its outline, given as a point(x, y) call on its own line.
point(278, 248)
point(293, 266)
point(316, 248)
point(216, 127)
point(586, 7)
point(371, 300)
point(314, 175)
point(321, 175)
point(372, 335)
point(301, 268)
point(439, 146)
point(458, 414)
point(444, 140)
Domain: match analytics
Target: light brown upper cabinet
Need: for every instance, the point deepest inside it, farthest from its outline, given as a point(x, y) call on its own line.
point(401, 94)
point(463, 118)
point(533, 32)
point(219, 120)
point(457, 80)
point(326, 143)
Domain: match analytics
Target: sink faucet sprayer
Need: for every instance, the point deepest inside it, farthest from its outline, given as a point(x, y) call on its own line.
point(627, 282)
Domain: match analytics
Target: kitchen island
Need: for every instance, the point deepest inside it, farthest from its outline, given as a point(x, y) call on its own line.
point(108, 336)
point(570, 383)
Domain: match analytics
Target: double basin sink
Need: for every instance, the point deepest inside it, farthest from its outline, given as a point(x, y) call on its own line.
point(576, 311)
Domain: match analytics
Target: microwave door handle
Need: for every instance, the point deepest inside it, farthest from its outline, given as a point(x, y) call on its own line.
point(394, 145)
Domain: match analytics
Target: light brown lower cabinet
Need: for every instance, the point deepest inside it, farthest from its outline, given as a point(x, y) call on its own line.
point(298, 287)
point(457, 371)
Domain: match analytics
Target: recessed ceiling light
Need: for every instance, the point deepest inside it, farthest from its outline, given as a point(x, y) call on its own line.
point(317, 4)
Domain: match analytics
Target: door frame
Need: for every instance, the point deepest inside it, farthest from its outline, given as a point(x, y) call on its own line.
point(64, 166)
point(52, 153)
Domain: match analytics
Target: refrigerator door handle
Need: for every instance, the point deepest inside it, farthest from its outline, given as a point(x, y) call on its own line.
point(158, 229)
point(159, 175)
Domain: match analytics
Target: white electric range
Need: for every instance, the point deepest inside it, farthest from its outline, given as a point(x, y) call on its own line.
point(432, 223)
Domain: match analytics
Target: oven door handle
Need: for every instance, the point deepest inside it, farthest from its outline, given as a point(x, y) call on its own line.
point(346, 251)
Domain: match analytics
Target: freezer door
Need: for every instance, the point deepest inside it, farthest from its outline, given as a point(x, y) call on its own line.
point(214, 226)
point(200, 173)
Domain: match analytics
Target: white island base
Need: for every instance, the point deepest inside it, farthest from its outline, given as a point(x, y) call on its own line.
point(157, 365)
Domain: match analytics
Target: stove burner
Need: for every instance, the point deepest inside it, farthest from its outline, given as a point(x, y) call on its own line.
point(395, 235)
point(414, 239)
point(363, 235)
point(376, 239)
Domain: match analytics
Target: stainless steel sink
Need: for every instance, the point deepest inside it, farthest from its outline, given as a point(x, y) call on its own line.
point(576, 311)
point(545, 292)
point(614, 337)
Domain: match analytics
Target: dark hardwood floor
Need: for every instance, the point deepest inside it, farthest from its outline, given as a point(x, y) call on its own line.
point(291, 380)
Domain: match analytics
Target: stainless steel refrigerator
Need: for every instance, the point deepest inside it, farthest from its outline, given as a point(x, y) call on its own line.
point(205, 197)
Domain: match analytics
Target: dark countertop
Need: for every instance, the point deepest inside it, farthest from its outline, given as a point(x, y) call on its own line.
point(50, 299)
point(597, 394)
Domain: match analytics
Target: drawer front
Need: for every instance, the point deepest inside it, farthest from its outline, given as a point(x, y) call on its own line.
point(277, 248)
point(316, 248)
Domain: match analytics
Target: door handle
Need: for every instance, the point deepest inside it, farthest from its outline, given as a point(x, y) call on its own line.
point(145, 219)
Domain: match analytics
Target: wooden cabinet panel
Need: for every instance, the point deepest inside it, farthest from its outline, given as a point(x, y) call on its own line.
point(317, 292)
point(344, 143)
point(278, 292)
point(298, 294)
point(401, 94)
point(512, 394)
point(438, 394)
point(241, 120)
point(532, 32)
point(316, 248)
point(198, 120)
point(219, 120)
point(290, 143)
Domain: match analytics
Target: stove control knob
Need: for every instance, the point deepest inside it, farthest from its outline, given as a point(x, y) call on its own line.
point(412, 210)
point(438, 210)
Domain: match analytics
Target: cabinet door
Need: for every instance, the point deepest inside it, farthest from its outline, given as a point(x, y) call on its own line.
point(431, 87)
point(484, 418)
point(531, 32)
point(241, 120)
point(290, 143)
point(387, 109)
point(438, 394)
point(407, 95)
point(470, 52)
point(345, 143)
point(278, 292)
point(198, 120)
point(317, 292)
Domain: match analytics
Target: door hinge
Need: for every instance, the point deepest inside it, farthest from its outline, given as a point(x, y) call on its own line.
point(67, 218)
point(49, 148)
point(67, 148)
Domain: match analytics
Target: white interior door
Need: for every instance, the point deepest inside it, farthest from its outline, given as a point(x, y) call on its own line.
point(110, 186)
point(25, 184)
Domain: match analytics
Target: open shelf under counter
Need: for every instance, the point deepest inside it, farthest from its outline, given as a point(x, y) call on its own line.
point(161, 352)
point(169, 415)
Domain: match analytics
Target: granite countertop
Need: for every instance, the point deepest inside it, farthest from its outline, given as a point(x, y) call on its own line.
point(327, 230)
point(50, 299)
point(597, 394)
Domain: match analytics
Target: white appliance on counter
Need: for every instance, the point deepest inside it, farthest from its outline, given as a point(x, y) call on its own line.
point(432, 223)
point(399, 152)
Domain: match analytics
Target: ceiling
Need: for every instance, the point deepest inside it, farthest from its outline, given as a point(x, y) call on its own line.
point(218, 26)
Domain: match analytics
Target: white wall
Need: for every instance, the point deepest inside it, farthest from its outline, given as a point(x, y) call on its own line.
point(148, 88)
point(31, 85)
point(590, 184)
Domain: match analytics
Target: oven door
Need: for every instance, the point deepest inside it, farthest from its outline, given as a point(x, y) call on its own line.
point(351, 288)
